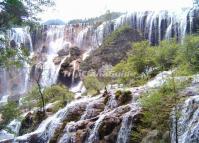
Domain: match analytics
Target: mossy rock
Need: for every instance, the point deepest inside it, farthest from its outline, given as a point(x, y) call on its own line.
point(123, 97)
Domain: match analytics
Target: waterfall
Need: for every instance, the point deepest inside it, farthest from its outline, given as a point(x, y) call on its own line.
point(154, 25)
point(14, 82)
point(125, 129)
point(55, 42)
point(187, 124)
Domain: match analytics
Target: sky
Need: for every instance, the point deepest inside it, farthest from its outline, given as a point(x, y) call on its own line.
point(80, 9)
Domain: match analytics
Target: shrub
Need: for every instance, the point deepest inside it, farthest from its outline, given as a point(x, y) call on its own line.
point(51, 94)
point(92, 84)
point(32, 99)
point(58, 93)
point(9, 112)
point(188, 55)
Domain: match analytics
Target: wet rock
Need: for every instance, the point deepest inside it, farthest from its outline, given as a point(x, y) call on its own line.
point(94, 109)
point(14, 98)
point(26, 123)
point(188, 124)
point(107, 127)
point(63, 52)
point(123, 96)
point(166, 137)
point(152, 137)
point(31, 122)
point(57, 60)
point(111, 137)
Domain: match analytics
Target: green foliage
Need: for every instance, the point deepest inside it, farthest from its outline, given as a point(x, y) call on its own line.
point(113, 49)
point(139, 62)
point(188, 54)
point(12, 13)
point(158, 105)
point(9, 112)
point(13, 57)
point(107, 16)
point(165, 54)
point(112, 38)
point(145, 61)
point(58, 93)
point(55, 93)
point(92, 84)
point(32, 99)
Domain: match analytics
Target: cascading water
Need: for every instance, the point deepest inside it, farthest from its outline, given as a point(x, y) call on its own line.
point(124, 114)
point(154, 25)
point(187, 123)
point(55, 42)
point(14, 82)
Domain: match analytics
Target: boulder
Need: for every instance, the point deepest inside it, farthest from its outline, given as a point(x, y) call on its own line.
point(63, 52)
point(57, 60)
point(14, 98)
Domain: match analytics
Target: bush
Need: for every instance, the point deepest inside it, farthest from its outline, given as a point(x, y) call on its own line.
point(140, 61)
point(58, 93)
point(51, 94)
point(92, 84)
point(32, 99)
point(9, 112)
point(188, 55)
point(165, 54)
point(159, 104)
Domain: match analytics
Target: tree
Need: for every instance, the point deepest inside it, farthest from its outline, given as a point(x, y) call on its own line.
point(16, 13)
point(13, 12)
point(37, 79)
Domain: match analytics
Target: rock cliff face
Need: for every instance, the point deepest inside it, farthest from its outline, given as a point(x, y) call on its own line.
point(113, 50)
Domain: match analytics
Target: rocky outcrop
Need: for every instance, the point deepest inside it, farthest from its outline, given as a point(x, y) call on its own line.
point(113, 50)
point(31, 121)
point(69, 71)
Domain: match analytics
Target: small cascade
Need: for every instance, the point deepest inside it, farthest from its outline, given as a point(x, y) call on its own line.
point(112, 103)
point(126, 126)
point(79, 89)
point(81, 37)
point(48, 127)
point(94, 114)
point(94, 135)
point(20, 36)
point(14, 126)
point(187, 124)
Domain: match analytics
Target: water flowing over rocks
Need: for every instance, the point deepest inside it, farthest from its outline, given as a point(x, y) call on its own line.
point(57, 52)
point(92, 119)
point(188, 124)
point(52, 43)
